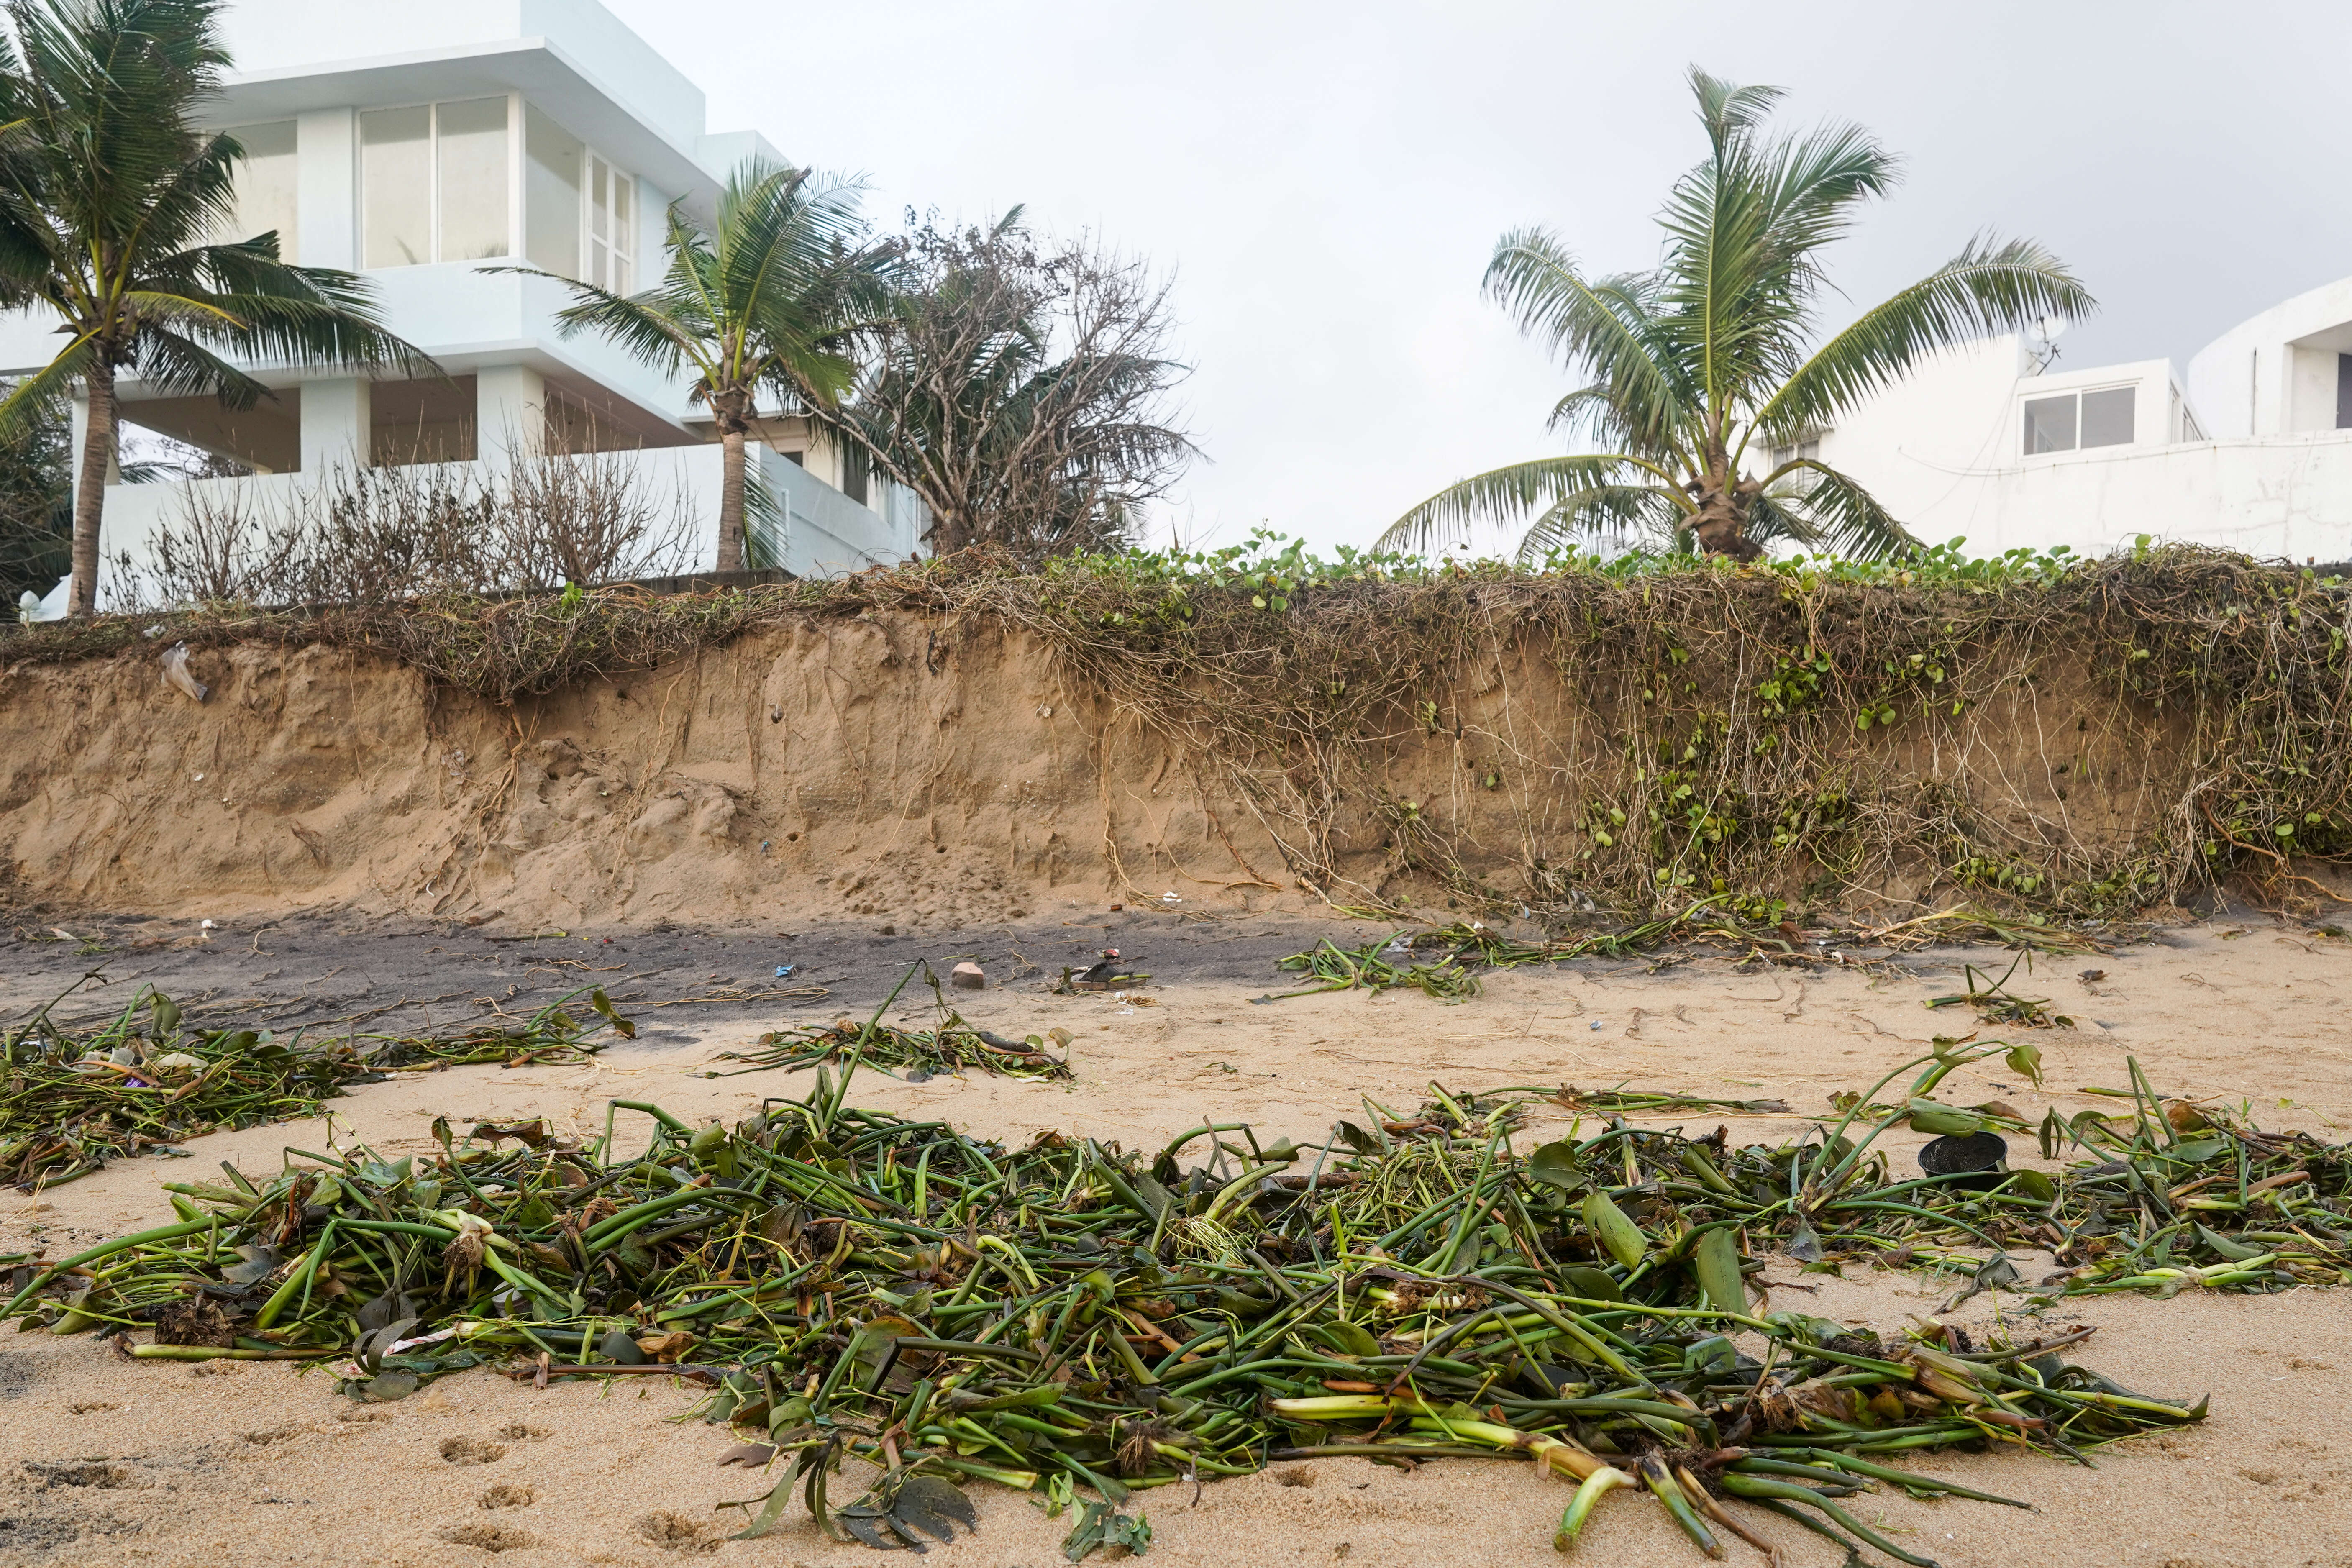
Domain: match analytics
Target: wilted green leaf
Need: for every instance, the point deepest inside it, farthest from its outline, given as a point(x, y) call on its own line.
point(1715, 1261)
point(604, 1005)
point(1102, 1526)
point(1928, 1116)
point(1593, 1284)
point(1555, 1164)
point(1618, 1235)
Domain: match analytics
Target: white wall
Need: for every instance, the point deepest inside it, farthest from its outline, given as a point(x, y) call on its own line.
point(1916, 445)
point(464, 316)
point(826, 533)
point(281, 35)
point(1944, 452)
point(2275, 496)
point(269, 37)
point(2247, 381)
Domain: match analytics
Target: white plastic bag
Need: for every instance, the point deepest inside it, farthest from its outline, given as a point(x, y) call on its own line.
point(176, 675)
point(51, 606)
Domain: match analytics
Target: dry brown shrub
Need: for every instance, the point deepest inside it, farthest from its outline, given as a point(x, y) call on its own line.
point(383, 535)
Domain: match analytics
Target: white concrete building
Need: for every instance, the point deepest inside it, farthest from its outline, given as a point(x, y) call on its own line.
point(420, 141)
point(2002, 443)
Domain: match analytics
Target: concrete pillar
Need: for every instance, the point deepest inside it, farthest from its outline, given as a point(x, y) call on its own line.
point(326, 217)
point(510, 413)
point(337, 425)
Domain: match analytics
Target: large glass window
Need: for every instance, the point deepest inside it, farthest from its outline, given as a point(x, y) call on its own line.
point(434, 183)
point(470, 146)
point(552, 184)
point(2050, 425)
point(2107, 416)
point(265, 188)
point(396, 187)
point(580, 212)
point(2071, 421)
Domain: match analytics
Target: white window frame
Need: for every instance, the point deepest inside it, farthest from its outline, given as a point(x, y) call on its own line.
point(591, 158)
point(433, 179)
point(594, 159)
point(2077, 393)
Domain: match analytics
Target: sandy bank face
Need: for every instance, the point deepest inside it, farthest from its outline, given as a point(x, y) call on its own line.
point(113, 1462)
point(835, 772)
point(933, 772)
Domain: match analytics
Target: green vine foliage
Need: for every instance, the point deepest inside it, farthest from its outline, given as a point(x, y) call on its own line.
point(1598, 739)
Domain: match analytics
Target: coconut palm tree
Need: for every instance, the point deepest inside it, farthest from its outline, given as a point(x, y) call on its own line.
point(110, 195)
point(1697, 369)
point(773, 298)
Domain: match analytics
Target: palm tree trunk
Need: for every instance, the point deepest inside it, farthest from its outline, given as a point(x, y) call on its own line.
point(89, 496)
point(730, 502)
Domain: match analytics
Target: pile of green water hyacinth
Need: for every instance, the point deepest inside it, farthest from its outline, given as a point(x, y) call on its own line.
point(1465, 945)
point(1068, 1318)
point(72, 1097)
point(913, 1054)
point(1380, 965)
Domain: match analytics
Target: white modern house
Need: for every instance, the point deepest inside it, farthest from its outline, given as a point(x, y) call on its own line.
point(2002, 443)
point(418, 142)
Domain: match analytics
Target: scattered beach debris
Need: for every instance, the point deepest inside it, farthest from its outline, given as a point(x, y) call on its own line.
point(1705, 921)
point(1996, 1003)
point(74, 1099)
point(1368, 968)
point(1107, 973)
point(953, 1047)
point(1621, 1102)
point(1068, 1316)
point(922, 1054)
point(177, 676)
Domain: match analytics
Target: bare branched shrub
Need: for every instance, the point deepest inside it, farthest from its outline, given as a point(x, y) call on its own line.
point(219, 551)
point(589, 520)
point(1022, 390)
point(381, 535)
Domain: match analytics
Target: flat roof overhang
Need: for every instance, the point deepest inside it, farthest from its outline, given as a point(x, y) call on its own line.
point(537, 68)
point(655, 426)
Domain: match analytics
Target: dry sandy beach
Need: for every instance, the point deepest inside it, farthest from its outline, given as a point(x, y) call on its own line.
point(108, 1461)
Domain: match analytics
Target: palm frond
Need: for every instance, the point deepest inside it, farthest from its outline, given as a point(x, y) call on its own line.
point(51, 383)
point(1605, 328)
point(1508, 495)
point(176, 365)
point(1988, 288)
point(1728, 110)
point(1814, 504)
point(1603, 516)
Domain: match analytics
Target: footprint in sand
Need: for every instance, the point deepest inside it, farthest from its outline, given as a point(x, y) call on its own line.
point(486, 1537)
point(471, 1450)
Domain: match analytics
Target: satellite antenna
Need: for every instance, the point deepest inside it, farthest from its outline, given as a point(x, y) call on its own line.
point(2042, 347)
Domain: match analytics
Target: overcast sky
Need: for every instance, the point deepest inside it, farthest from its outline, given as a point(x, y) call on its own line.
point(1325, 181)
